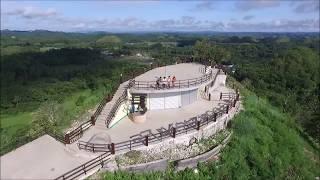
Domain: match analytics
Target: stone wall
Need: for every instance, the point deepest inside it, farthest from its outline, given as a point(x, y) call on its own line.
point(162, 164)
point(159, 165)
point(192, 162)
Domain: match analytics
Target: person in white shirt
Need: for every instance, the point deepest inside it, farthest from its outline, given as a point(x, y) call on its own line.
point(169, 81)
point(164, 81)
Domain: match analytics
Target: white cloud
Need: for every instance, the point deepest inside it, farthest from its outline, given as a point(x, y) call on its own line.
point(306, 6)
point(247, 5)
point(205, 6)
point(31, 12)
point(248, 17)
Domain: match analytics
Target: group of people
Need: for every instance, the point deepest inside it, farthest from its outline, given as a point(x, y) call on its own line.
point(163, 82)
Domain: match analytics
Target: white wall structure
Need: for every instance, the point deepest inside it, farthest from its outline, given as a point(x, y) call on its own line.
point(169, 100)
point(122, 112)
point(172, 100)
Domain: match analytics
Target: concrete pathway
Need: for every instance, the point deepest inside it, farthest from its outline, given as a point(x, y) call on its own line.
point(43, 158)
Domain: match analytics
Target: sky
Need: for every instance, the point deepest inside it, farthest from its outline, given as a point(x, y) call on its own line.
point(162, 15)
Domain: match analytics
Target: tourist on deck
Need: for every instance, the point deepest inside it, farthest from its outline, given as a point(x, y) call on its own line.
point(168, 81)
point(173, 81)
point(164, 82)
point(158, 82)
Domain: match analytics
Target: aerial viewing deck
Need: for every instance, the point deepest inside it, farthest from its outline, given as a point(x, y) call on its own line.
point(137, 115)
point(160, 90)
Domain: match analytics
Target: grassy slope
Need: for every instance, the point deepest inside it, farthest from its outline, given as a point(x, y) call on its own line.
point(265, 145)
point(15, 126)
point(14, 121)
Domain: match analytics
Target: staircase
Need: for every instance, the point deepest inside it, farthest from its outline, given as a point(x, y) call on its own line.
point(101, 120)
point(205, 94)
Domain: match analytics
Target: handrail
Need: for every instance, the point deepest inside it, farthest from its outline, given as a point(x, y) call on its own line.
point(179, 128)
point(185, 83)
point(117, 104)
point(85, 167)
point(77, 133)
point(94, 147)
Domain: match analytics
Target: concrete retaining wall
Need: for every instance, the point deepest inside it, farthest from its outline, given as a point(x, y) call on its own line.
point(159, 165)
point(193, 162)
point(162, 165)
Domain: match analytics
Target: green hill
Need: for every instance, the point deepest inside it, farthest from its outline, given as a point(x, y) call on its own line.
point(265, 145)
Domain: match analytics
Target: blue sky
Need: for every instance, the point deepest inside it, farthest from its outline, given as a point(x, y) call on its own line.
point(162, 15)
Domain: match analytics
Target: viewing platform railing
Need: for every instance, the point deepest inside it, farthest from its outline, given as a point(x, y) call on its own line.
point(186, 83)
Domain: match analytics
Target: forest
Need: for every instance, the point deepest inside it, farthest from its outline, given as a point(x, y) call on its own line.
point(67, 74)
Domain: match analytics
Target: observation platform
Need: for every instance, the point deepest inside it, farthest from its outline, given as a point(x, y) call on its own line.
point(168, 94)
point(46, 158)
point(188, 76)
point(181, 71)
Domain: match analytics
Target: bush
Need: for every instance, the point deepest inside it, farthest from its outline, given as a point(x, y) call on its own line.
point(80, 100)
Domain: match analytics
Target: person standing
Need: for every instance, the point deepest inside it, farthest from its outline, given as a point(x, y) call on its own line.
point(158, 82)
point(164, 81)
point(168, 81)
point(173, 81)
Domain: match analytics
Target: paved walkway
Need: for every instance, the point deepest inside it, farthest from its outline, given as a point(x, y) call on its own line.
point(43, 158)
point(181, 71)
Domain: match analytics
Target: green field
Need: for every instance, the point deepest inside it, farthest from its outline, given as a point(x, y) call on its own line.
point(12, 122)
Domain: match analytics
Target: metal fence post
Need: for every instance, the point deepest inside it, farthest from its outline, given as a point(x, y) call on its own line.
point(67, 138)
point(234, 103)
point(238, 97)
point(198, 125)
point(147, 140)
point(220, 95)
point(112, 148)
point(215, 117)
point(93, 121)
point(174, 132)
point(227, 109)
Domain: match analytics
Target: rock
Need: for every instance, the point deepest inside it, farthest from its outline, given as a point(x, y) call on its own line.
point(192, 141)
point(111, 166)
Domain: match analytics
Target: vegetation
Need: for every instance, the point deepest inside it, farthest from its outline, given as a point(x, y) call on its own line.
point(49, 90)
point(49, 79)
point(290, 80)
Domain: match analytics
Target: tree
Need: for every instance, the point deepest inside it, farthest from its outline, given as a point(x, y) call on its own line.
point(46, 117)
point(109, 41)
point(205, 52)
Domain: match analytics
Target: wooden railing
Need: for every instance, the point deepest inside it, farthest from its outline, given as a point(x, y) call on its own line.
point(56, 136)
point(146, 85)
point(117, 104)
point(94, 147)
point(77, 133)
point(86, 167)
point(193, 124)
